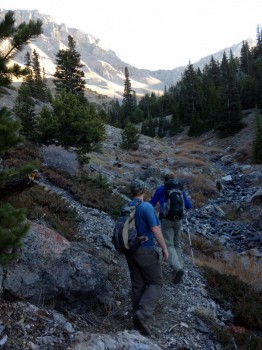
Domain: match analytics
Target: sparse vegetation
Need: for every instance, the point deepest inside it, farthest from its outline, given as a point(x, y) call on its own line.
point(46, 207)
point(88, 191)
point(246, 304)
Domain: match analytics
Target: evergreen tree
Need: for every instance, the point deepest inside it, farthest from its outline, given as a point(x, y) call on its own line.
point(246, 59)
point(148, 127)
point(28, 79)
point(130, 137)
point(257, 51)
point(12, 229)
point(114, 113)
point(161, 126)
point(16, 38)
point(24, 110)
point(68, 74)
point(190, 95)
point(196, 126)
point(9, 131)
point(213, 72)
point(145, 105)
point(230, 110)
point(77, 125)
point(35, 80)
point(138, 116)
point(257, 145)
point(47, 125)
point(175, 125)
point(40, 90)
point(12, 221)
point(128, 104)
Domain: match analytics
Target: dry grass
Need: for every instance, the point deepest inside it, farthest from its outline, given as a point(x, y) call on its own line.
point(190, 162)
point(89, 191)
point(191, 146)
point(243, 153)
point(246, 268)
point(231, 212)
point(136, 158)
point(213, 255)
point(200, 187)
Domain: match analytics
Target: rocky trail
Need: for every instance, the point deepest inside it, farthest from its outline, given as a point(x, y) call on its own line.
point(178, 322)
point(186, 315)
point(178, 319)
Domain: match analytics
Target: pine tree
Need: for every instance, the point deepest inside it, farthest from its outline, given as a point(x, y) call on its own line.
point(257, 51)
point(130, 137)
point(9, 131)
point(24, 110)
point(28, 79)
point(230, 110)
point(190, 95)
point(77, 124)
point(148, 127)
point(257, 145)
point(114, 113)
point(47, 126)
point(16, 38)
point(40, 90)
point(35, 79)
point(12, 221)
point(12, 229)
point(246, 59)
point(68, 72)
point(129, 102)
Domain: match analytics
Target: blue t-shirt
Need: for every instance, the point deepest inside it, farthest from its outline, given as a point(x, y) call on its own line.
point(145, 219)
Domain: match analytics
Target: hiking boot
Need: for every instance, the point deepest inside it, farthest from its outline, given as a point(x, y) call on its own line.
point(140, 324)
point(178, 276)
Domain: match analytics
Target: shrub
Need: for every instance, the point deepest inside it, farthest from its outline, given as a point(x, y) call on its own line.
point(12, 229)
point(49, 207)
point(231, 293)
point(88, 191)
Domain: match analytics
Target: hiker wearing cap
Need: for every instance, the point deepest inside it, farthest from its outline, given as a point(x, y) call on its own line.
point(172, 225)
point(144, 264)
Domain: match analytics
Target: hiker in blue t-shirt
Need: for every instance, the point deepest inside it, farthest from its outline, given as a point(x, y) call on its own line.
point(144, 264)
point(171, 229)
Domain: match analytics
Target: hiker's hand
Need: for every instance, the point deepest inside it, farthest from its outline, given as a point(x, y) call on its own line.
point(165, 254)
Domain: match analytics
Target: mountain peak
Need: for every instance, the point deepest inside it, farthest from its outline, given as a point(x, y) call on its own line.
point(103, 69)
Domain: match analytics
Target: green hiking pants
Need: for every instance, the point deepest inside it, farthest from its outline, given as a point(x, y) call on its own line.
point(171, 230)
point(146, 279)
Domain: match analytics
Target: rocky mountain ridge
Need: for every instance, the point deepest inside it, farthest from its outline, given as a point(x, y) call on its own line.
point(104, 70)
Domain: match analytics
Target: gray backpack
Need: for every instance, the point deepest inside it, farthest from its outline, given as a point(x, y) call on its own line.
point(125, 238)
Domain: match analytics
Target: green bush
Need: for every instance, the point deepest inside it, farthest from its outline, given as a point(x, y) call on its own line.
point(49, 207)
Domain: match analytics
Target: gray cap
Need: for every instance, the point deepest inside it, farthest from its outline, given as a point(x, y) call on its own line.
point(137, 185)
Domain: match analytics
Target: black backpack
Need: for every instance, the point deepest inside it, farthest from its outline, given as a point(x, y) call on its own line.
point(125, 238)
point(174, 202)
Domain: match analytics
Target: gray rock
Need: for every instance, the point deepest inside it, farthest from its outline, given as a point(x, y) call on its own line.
point(49, 266)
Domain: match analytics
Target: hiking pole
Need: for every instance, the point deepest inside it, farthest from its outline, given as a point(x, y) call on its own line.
point(190, 243)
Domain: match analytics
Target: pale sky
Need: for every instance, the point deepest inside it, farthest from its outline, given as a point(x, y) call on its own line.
point(155, 34)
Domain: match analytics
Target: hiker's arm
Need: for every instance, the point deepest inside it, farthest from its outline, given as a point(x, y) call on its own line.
point(156, 197)
point(160, 240)
point(188, 204)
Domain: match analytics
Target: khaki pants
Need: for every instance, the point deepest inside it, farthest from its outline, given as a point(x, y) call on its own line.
point(146, 278)
point(171, 230)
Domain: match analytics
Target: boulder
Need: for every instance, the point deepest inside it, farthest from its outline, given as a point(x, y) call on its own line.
point(50, 267)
